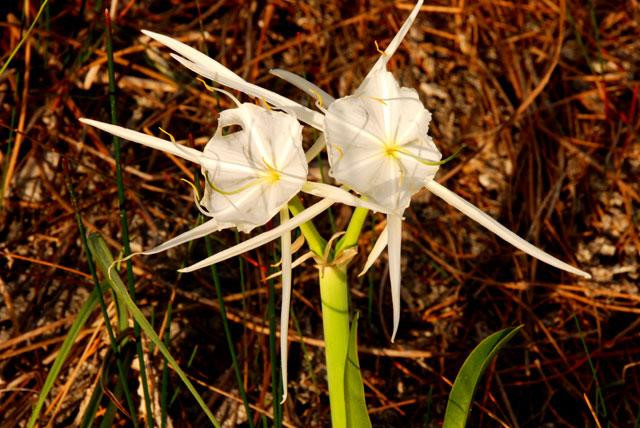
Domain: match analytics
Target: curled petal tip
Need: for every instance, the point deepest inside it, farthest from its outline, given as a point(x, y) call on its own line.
point(585, 275)
point(378, 247)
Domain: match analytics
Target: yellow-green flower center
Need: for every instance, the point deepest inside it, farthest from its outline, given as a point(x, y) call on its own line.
point(391, 150)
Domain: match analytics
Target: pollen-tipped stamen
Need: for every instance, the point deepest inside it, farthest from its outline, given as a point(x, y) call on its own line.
point(213, 89)
point(426, 161)
point(171, 137)
point(380, 51)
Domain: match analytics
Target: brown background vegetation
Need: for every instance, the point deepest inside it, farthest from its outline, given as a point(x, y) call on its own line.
point(543, 94)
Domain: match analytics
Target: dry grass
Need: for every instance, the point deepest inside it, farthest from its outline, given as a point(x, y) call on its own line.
point(543, 93)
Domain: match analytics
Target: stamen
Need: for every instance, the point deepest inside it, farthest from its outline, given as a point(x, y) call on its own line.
point(213, 89)
point(380, 51)
point(207, 86)
point(231, 192)
point(173, 140)
point(319, 99)
point(197, 199)
point(428, 162)
point(193, 186)
point(416, 100)
point(266, 104)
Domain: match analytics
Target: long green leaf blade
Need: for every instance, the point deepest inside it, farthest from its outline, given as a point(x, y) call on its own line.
point(357, 415)
point(467, 379)
point(63, 353)
point(104, 260)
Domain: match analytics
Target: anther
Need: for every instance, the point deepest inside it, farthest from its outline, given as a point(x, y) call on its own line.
point(173, 140)
point(318, 96)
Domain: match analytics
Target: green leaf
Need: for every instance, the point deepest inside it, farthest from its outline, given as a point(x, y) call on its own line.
point(357, 415)
point(104, 260)
point(467, 379)
point(63, 353)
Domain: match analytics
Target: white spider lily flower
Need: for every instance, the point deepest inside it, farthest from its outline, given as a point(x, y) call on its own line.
point(250, 176)
point(271, 167)
point(378, 146)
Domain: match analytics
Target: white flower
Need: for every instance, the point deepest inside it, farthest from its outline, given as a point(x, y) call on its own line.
point(378, 145)
point(270, 170)
point(250, 174)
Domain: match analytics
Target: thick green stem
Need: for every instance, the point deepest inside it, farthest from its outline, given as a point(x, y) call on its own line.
point(351, 235)
point(335, 321)
point(314, 240)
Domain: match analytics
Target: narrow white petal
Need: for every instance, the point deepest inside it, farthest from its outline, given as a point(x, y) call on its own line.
point(394, 223)
point(304, 114)
point(179, 150)
point(303, 84)
point(285, 240)
point(397, 39)
point(192, 54)
point(378, 247)
point(297, 262)
point(184, 152)
point(476, 214)
point(263, 238)
point(340, 195)
point(204, 229)
point(316, 148)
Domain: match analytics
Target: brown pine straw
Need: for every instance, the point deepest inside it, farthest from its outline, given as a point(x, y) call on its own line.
point(545, 101)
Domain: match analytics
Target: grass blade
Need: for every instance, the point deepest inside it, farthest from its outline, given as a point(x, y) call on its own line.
point(601, 407)
point(82, 317)
point(98, 293)
point(24, 38)
point(165, 373)
point(92, 408)
point(123, 215)
point(104, 260)
point(227, 334)
point(467, 379)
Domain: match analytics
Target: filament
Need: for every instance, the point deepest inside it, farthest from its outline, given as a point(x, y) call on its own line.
point(231, 192)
